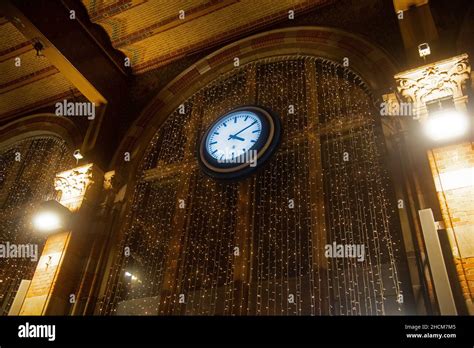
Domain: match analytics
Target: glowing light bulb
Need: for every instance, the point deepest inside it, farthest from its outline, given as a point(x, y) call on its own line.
point(446, 125)
point(47, 221)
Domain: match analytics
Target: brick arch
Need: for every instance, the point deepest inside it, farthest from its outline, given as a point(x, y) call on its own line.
point(41, 124)
point(370, 62)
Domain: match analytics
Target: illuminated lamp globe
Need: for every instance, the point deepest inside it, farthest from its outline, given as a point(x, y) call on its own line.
point(446, 125)
point(51, 216)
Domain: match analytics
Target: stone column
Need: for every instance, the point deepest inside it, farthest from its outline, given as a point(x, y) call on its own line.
point(56, 279)
point(450, 162)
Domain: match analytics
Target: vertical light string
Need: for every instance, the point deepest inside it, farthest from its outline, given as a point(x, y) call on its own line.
point(27, 171)
point(314, 244)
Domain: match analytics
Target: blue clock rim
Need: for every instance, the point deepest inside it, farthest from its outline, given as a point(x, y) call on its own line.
point(270, 126)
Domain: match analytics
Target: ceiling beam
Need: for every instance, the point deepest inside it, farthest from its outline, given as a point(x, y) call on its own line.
point(31, 32)
point(82, 52)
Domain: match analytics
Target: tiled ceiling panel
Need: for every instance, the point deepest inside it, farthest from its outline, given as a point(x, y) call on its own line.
point(151, 32)
point(10, 36)
point(36, 94)
point(33, 84)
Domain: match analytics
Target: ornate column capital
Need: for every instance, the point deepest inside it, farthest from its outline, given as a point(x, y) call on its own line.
point(74, 184)
point(440, 79)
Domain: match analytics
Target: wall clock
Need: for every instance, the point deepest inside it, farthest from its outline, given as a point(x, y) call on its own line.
point(239, 142)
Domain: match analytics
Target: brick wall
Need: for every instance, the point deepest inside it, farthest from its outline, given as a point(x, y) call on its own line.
point(453, 171)
point(467, 282)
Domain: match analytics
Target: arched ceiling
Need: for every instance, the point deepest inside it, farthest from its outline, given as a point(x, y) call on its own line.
point(151, 32)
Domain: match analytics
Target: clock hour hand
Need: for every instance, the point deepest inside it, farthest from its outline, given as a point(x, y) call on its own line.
point(235, 137)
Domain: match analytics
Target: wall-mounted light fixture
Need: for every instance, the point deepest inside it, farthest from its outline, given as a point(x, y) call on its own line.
point(444, 121)
point(424, 50)
point(39, 47)
point(78, 155)
point(132, 277)
point(51, 216)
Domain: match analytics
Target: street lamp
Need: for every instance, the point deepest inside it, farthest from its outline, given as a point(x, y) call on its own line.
point(51, 216)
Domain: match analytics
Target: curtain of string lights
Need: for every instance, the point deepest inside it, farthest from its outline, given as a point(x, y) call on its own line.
point(27, 170)
point(257, 246)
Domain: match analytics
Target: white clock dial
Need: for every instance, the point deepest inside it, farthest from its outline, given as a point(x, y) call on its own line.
point(239, 142)
point(233, 135)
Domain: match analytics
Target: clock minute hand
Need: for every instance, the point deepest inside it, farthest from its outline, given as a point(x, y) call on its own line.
point(233, 136)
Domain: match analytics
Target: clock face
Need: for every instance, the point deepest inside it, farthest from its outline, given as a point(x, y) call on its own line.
point(233, 135)
point(238, 142)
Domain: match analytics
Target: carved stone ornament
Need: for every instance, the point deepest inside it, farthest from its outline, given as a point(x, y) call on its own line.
point(73, 185)
point(437, 80)
point(109, 178)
